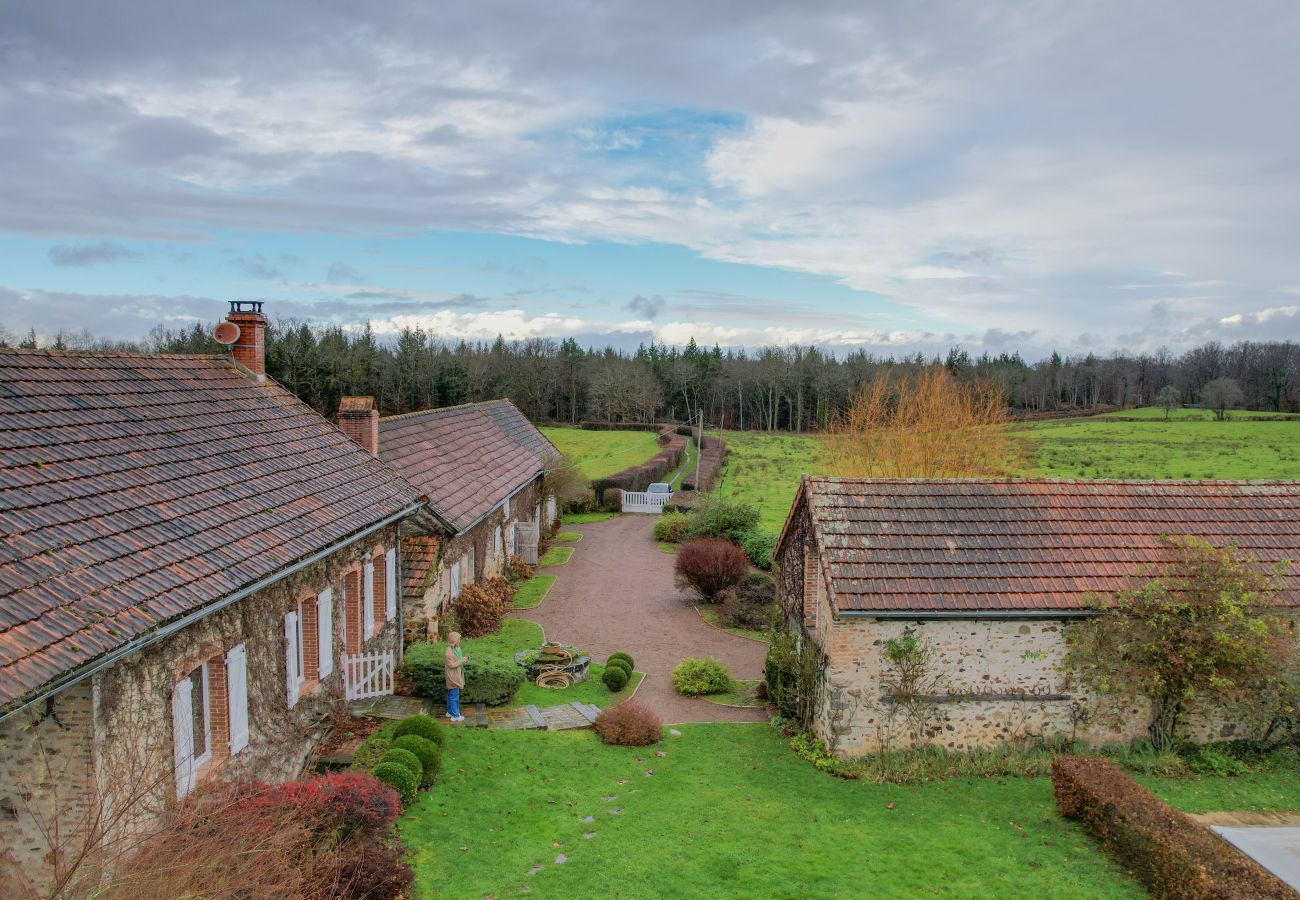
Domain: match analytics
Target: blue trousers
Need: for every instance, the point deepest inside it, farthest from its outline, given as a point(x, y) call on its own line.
point(453, 702)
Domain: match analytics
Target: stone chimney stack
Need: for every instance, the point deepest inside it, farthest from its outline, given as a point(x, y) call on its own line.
point(359, 420)
point(249, 349)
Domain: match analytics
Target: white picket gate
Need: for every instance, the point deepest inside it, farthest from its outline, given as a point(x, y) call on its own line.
point(368, 675)
point(641, 502)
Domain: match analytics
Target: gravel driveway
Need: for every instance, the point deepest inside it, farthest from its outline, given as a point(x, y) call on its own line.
point(617, 593)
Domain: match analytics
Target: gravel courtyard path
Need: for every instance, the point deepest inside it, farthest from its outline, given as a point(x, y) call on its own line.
point(617, 593)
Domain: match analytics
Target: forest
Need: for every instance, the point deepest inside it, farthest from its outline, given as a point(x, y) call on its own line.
point(789, 388)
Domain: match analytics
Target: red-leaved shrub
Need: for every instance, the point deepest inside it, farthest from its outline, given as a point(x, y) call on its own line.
point(344, 800)
point(1168, 852)
point(708, 565)
point(630, 724)
point(613, 499)
point(481, 605)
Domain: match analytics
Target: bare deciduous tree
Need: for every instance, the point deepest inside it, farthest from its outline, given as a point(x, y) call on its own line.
point(1221, 394)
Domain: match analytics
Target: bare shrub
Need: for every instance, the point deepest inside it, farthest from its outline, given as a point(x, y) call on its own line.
point(630, 724)
point(707, 566)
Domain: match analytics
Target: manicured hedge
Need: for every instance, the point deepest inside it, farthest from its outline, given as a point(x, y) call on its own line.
point(1168, 852)
point(488, 679)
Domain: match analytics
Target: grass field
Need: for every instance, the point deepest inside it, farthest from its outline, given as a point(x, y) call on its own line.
point(1138, 445)
point(532, 592)
point(598, 454)
point(729, 811)
point(555, 556)
point(764, 469)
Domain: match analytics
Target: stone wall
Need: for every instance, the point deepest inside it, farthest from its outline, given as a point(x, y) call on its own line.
point(993, 681)
point(114, 732)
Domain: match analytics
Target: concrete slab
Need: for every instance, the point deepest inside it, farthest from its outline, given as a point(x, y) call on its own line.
point(1276, 849)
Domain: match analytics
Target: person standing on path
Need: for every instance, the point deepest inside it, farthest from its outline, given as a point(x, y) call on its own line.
point(453, 660)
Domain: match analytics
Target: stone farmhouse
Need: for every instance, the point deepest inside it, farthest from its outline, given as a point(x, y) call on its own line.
point(193, 567)
point(481, 468)
point(989, 573)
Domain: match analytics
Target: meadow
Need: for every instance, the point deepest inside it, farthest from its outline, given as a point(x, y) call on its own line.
point(764, 469)
point(598, 454)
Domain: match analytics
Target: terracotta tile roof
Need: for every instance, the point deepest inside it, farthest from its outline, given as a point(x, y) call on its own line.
point(1032, 544)
point(419, 553)
point(356, 404)
point(461, 457)
point(135, 489)
point(516, 424)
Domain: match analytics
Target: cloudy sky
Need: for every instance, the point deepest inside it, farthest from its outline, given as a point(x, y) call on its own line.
point(897, 176)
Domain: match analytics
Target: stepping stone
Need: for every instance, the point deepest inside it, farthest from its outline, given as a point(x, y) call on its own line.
point(480, 715)
point(588, 835)
point(660, 753)
point(587, 819)
point(616, 811)
point(561, 859)
point(674, 732)
point(584, 711)
point(534, 870)
point(610, 799)
point(535, 716)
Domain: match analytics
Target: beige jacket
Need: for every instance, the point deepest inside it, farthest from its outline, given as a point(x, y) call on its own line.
point(452, 666)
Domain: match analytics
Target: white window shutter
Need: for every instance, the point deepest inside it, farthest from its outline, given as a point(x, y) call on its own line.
point(237, 692)
point(368, 603)
point(291, 657)
point(390, 586)
point(455, 580)
point(325, 631)
point(505, 507)
point(183, 736)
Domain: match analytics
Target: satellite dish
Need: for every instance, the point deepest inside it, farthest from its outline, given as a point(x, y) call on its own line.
point(226, 333)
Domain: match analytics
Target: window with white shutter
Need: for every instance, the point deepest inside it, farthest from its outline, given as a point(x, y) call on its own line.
point(368, 603)
point(325, 631)
point(505, 507)
point(455, 579)
point(183, 736)
point(237, 692)
point(292, 657)
point(390, 586)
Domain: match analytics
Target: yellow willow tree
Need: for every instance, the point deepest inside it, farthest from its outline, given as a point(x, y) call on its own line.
point(921, 424)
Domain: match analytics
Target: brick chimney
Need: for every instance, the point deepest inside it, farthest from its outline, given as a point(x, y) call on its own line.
point(359, 420)
point(250, 349)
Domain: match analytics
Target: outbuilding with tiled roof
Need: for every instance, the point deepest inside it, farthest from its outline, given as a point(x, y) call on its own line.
point(989, 573)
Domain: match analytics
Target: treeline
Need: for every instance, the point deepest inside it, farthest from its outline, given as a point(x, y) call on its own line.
point(774, 388)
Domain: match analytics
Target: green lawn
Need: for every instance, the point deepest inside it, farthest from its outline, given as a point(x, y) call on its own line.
point(586, 518)
point(741, 693)
point(567, 537)
point(555, 556)
point(1260, 791)
point(709, 613)
point(764, 469)
point(598, 454)
point(730, 811)
point(532, 592)
point(515, 635)
point(592, 691)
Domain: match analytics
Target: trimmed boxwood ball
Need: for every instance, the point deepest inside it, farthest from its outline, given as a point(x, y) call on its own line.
point(621, 664)
point(422, 726)
point(426, 751)
point(615, 678)
point(399, 778)
point(613, 656)
point(405, 758)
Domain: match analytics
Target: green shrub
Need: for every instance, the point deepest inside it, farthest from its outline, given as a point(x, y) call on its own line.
point(620, 664)
point(693, 677)
point(1211, 760)
point(404, 758)
point(672, 527)
point(759, 545)
point(426, 727)
point(426, 751)
point(488, 679)
point(613, 656)
point(398, 777)
point(722, 519)
point(615, 678)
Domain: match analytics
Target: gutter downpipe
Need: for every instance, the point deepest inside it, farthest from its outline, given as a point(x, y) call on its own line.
point(134, 646)
point(967, 614)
